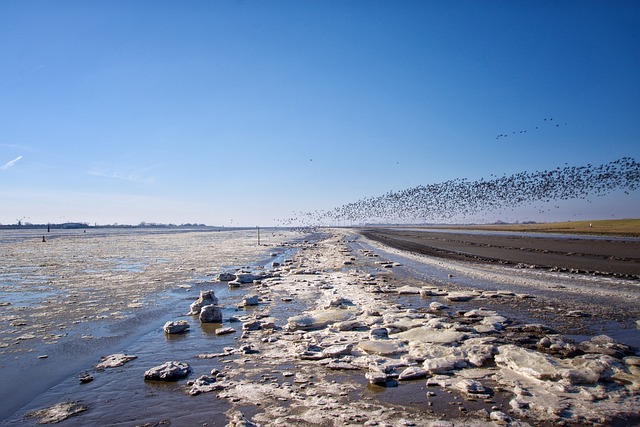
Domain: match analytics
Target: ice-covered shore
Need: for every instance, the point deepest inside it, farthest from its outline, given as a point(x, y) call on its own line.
point(354, 323)
point(338, 338)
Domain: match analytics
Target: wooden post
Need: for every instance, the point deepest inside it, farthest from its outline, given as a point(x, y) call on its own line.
point(258, 227)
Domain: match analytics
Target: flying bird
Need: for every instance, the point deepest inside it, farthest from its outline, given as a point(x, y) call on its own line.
point(503, 135)
point(459, 198)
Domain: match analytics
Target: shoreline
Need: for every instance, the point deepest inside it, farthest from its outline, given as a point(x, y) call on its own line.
point(397, 329)
point(342, 334)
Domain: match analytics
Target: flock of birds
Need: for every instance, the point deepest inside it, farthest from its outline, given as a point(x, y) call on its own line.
point(460, 198)
point(547, 122)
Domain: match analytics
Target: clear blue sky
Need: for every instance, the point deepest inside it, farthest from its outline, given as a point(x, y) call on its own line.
point(241, 112)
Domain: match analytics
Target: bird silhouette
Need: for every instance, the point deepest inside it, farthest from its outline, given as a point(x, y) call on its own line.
point(460, 198)
point(504, 135)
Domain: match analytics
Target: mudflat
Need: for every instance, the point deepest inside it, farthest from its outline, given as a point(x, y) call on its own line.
point(602, 256)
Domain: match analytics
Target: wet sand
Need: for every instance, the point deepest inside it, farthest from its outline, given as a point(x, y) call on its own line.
point(615, 257)
point(599, 276)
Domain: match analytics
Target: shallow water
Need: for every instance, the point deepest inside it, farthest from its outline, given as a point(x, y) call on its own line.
point(80, 296)
point(120, 396)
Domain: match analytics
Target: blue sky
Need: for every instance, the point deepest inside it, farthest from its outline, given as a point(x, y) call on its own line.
point(242, 112)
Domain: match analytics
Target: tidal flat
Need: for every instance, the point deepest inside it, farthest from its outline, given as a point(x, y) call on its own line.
point(335, 329)
point(65, 301)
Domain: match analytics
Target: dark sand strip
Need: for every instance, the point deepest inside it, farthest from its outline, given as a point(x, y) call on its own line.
point(619, 258)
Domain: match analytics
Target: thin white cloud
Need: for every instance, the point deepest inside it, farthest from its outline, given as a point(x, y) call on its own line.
point(19, 147)
point(133, 176)
point(10, 163)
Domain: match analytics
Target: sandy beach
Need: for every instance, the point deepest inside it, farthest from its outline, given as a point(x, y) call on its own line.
point(349, 331)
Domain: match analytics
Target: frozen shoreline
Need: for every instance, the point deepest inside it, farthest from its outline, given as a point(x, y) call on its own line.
point(306, 353)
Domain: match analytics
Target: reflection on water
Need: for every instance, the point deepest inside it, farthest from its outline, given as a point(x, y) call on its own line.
point(120, 396)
